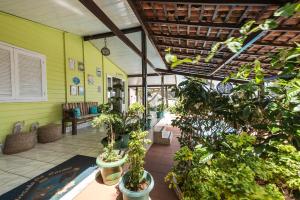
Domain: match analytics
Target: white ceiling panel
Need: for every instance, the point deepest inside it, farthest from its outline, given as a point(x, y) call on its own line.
point(73, 17)
point(124, 57)
point(153, 80)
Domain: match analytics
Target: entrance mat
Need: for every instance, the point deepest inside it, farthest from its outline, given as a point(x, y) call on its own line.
point(56, 182)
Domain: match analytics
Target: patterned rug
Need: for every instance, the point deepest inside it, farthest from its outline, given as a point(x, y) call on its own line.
point(56, 182)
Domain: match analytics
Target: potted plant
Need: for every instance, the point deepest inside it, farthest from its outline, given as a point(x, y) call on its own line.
point(109, 161)
point(160, 110)
point(130, 121)
point(136, 183)
point(104, 108)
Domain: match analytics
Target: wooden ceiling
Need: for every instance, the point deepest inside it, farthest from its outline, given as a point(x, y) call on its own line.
point(192, 27)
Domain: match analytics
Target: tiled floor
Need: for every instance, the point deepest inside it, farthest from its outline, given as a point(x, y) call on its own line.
point(19, 168)
point(159, 161)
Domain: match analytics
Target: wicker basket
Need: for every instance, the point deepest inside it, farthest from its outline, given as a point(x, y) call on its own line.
point(49, 133)
point(16, 143)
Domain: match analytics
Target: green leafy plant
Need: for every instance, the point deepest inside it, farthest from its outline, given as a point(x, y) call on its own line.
point(136, 156)
point(104, 108)
point(131, 120)
point(160, 107)
point(108, 120)
point(236, 171)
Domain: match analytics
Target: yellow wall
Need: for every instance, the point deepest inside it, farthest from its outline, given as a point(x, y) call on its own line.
point(92, 60)
point(110, 69)
point(58, 47)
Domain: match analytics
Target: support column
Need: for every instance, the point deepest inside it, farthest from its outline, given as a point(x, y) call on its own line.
point(137, 94)
point(162, 89)
point(166, 94)
point(144, 73)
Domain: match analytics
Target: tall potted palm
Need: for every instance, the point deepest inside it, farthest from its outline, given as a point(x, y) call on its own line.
point(110, 161)
point(136, 183)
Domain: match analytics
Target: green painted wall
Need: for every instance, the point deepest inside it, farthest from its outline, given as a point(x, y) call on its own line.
point(58, 47)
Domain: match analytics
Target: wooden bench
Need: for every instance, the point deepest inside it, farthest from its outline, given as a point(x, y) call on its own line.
point(68, 115)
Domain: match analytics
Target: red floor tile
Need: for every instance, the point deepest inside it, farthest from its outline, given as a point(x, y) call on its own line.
point(159, 161)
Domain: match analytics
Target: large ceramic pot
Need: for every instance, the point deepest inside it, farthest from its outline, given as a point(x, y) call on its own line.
point(111, 172)
point(133, 195)
point(159, 114)
point(117, 144)
point(148, 124)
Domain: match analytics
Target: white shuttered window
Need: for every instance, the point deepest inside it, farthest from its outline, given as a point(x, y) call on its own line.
point(22, 75)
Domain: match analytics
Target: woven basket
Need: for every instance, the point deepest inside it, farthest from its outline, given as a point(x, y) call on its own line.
point(49, 133)
point(16, 143)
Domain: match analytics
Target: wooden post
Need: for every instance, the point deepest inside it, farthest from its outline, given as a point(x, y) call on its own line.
point(162, 90)
point(144, 73)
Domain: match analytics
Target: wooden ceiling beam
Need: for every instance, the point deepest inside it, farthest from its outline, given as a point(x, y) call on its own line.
point(146, 28)
point(95, 9)
point(199, 75)
point(220, 2)
point(233, 26)
point(150, 74)
point(111, 34)
point(248, 43)
point(212, 39)
point(208, 50)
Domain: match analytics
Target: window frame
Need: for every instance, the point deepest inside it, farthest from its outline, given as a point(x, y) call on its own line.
point(14, 51)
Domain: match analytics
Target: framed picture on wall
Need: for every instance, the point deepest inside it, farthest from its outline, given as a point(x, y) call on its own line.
point(91, 79)
point(73, 90)
point(80, 90)
point(80, 66)
point(98, 71)
point(72, 63)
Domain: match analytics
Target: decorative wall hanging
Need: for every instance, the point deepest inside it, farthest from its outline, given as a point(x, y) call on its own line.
point(91, 79)
point(80, 90)
point(73, 90)
point(76, 80)
point(224, 88)
point(72, 64)
point(80, 66)
point(98, 71)
point(105, 51)
point(99, 89)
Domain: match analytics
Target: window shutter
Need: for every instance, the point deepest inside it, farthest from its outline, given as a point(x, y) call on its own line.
point(29, 75)
point(6, 72)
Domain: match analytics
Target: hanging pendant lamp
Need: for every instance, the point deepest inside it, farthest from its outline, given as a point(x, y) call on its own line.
point(105, 51)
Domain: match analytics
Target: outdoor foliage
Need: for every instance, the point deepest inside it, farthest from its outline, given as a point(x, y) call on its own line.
point(237, 171)
point(257, 157)
point(136, 156)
